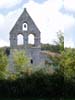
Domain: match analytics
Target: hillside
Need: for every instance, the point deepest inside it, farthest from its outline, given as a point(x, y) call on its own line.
point(46, 48)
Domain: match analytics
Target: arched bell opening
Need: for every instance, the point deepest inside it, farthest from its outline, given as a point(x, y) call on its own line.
point(31, 40)
point(20, 41)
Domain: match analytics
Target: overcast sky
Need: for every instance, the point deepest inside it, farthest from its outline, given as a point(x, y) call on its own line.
point(50, 16)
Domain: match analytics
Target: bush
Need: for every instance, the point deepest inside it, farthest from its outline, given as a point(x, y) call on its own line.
point(69, 88)
point(37, 84)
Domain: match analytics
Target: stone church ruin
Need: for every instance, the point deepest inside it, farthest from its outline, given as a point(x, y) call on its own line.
point(26, 26)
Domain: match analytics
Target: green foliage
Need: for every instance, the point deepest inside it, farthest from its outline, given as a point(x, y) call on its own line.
point(60, 41)
point(3, 61)
point(38, 84)
point(50, 47)
point(58, 59)
point(69, 63)
point(65, 60)
point(3, 64)
point(20, 61)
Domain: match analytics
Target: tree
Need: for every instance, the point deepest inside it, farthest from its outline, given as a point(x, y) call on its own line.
point(69, 63)
point(20, 61)
point(65, 60)
point(50, 47)
point(3, 64)
point(60, 41)
point(58, 60)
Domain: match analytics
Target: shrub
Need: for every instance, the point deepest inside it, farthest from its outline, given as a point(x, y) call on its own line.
point(38, 84)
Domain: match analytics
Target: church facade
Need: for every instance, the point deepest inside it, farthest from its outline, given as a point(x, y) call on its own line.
point(26, 26)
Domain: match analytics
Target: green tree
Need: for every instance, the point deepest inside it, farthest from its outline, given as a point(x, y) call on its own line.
point(20, 61)
point(50, 47)
point(60, 41)
point(69, 63)
point(66, 59)
point(3, 63)
point(58, 59)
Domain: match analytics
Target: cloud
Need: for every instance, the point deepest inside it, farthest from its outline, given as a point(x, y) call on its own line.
point(69, 24)
point(9, 3)
point(3, 43)
point(69, 5)
point(6, 24)
point(46, 15)
point(1, 21)
point(69, 43)
point(69, 21)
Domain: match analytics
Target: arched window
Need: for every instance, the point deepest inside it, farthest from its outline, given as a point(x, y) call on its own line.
point(20, 39)
point(31, 39)
point(24, 27)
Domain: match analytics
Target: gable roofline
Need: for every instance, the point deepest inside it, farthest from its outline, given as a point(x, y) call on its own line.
point(24, 12)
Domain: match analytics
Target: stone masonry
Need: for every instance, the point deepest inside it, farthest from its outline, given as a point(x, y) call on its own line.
point(26, 26)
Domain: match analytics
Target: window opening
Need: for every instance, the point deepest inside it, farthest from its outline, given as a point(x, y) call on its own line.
point(20, 39)
point(25, 27)
point(31, 39)
point(31, 61)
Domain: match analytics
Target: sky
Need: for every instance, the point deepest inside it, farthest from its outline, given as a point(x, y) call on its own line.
point(50, 16)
